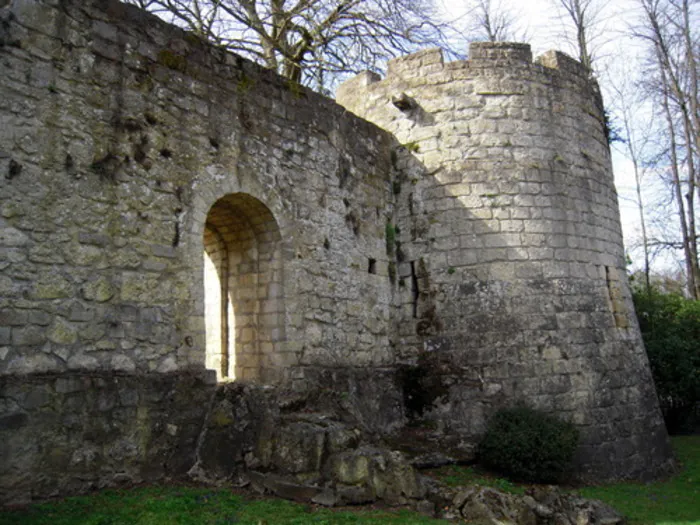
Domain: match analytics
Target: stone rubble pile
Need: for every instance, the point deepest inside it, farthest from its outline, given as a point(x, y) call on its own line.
point(305, 451)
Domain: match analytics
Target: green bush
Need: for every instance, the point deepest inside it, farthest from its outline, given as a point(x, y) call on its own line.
point(670, 327)
point(527, 445)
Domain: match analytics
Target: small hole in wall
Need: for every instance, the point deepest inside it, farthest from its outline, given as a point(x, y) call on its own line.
point(69, 165)
point(14, 170)
point(151, 120)
point(372, 266)
point(214, 143)
point(166, 153)
point(327, 244)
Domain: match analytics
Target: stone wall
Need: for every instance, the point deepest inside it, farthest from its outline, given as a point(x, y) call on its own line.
point(128, 149)
point(166, 207)
point(73, 432)
point(123, 141)
point(509, 251)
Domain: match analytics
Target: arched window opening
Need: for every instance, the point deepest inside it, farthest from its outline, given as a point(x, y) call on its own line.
point(243, 292)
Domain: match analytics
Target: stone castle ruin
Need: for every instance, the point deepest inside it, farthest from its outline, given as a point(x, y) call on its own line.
point(434, 246)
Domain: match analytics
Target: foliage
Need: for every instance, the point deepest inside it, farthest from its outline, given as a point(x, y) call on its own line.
point(670, 327)
point(390, 238)
point(673, 501)
point(613, 132)
point(528, 445)
point(188, 505)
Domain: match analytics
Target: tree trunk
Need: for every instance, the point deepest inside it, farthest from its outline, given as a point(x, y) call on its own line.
point(691, 261)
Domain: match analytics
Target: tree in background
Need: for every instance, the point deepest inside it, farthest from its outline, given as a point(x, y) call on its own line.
point(584, 27)
point(668, 31)
point(310, 41)
point(494, 21)
point(638, 145)
point(583, 24)
point(670, 326)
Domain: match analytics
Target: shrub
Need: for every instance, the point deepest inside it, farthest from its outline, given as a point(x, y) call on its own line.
point(670, 326)
point(527, 445)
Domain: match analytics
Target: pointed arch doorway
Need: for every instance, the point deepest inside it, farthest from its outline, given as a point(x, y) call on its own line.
point(243, 289)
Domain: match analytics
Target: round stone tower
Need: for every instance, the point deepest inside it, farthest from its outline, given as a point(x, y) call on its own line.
point(508, 256)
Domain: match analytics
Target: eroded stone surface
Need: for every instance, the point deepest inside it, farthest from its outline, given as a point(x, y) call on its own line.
point(510, 252)
point(307, 452)
point(542, 505)
point(120, 133)
point(310, 452)
point(464, 258)
point(71, 433)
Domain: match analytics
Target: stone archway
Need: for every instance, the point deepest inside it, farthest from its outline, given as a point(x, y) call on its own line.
point(243, 288)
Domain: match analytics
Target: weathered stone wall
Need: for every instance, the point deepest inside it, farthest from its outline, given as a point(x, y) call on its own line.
point(127, 147)
point(119, 134)
point(303, 446)
point(73, 432)
point(510, 259)
point(478, 265)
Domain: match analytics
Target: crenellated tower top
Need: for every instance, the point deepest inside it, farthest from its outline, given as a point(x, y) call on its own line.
point(430, 62)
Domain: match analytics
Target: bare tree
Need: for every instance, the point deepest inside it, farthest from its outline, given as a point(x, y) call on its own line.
point(668, 30)
point(493, 21)
point(628, 103)
point(584, 25)
point(310, 41)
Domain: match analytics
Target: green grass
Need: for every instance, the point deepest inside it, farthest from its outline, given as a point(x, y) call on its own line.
point(672, 502)
point(170, 505)
point(454, 476)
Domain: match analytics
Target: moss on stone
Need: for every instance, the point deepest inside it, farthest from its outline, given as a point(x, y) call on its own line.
point(392, 272)
point(412, 146)
point(172, 60)
point(221, 419)
point(62, 333)
point(245, 84)
point(294, 88)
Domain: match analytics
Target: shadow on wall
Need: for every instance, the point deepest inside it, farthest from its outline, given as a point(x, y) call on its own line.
point(510, 271)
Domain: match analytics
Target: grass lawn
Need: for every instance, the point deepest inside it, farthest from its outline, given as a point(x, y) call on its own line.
point(168, 505)
point(457, 476)
point(672, 502)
